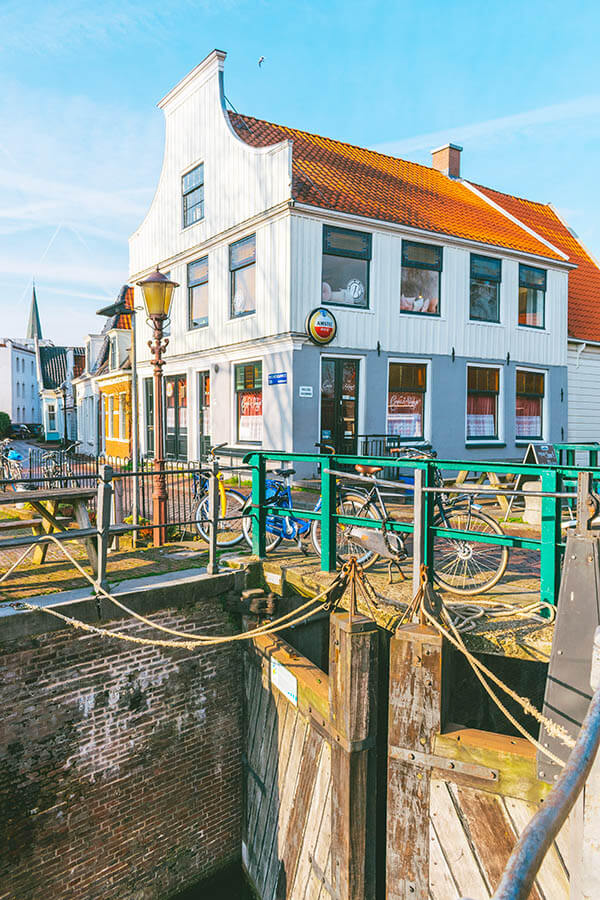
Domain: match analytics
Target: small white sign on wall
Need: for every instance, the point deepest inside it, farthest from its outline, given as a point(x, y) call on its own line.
point(305, 390)
point(284, 681)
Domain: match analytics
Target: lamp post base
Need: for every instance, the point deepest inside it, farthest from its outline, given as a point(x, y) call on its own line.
point(159, 505)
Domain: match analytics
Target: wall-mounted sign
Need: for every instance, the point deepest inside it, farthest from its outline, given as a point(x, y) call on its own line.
point(278, 378)
point(305, 390)
point(321, 326)
point(284, 681)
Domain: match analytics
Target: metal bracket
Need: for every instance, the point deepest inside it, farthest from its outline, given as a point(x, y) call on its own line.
point(441, 762)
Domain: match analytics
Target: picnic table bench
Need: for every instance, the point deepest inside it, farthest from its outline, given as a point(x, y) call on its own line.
point(45, 503)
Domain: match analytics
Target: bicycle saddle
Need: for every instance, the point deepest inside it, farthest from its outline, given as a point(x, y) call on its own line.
point(283, 473)
point(368, 470)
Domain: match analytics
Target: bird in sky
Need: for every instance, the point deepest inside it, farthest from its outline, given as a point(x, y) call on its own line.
point(261, 61)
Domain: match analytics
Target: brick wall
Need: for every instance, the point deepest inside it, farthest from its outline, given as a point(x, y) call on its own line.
point(120, 765)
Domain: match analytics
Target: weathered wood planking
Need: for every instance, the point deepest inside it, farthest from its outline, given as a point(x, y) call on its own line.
point(288, 781)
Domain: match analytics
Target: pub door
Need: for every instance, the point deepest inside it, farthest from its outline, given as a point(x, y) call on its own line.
point(339, 404)
point(176, 417)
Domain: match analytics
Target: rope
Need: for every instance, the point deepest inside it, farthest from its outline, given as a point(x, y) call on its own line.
point(551, 727)
point(16, 564)
point(189, 641)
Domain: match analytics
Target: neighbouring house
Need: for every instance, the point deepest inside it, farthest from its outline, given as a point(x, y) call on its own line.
point(329, 292)
point(19, 392)
point(57, 367)
point(103, 390)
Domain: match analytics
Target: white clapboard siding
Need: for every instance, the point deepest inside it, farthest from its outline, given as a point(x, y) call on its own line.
point(584, 393)
point(424, 334)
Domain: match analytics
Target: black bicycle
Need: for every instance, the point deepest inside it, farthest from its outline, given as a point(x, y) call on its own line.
point(460, 565)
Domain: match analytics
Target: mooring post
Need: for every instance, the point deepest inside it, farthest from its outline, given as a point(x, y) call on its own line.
point(353, 661)
point(103, 508)
point(414, 720)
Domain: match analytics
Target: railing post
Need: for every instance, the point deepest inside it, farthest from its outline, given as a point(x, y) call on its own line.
point(353, 673)
point(550, 539)
point(328, 521)
point(259, 516)
point(103, 507)
point(213, 564)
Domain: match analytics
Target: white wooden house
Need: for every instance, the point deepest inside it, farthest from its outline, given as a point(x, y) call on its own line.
point(451, 309)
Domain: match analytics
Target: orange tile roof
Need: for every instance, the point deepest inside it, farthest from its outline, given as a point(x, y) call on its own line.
point(584, 281)
point(333, 175)
point(124, 321)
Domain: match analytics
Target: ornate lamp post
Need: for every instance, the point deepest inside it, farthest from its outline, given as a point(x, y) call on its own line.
point(158, 292)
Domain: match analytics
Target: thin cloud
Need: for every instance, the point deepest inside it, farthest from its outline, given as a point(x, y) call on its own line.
point(581, 108)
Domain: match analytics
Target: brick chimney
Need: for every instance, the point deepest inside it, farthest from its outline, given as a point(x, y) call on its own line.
point(446, 160)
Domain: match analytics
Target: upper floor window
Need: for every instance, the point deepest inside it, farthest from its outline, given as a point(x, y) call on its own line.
point(532, 297)
point(406, 399)
point(345, 271)
point(486, 275)
point(198, 293)
point(421, 277)
point(242, 265)
point(192, 191)
point(113, 357)
point(483, 387)
point(530, 402)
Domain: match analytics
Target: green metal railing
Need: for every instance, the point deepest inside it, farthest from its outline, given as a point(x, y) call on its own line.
point(566, 453)
point(552, 478)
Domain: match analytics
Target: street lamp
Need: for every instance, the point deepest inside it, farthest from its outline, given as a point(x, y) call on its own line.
point(157, 290)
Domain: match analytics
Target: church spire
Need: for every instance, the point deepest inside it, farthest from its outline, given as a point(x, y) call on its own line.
point(34, 328)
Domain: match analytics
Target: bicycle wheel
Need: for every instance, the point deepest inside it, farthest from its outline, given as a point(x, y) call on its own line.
point(468, 567)
point(272, 540)
point(349, 504)
point(229, 530)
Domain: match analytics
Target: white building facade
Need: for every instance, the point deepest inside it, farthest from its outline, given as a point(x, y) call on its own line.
point(19, 395)
point(454, 339)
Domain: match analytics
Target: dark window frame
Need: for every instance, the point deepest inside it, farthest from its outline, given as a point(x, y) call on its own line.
point(185, 209)
point(236, 268)
point(257, 384)
point(470, 438)
point(192, 325)
point(531, 394)
point(411, 389)
point(413, 264)
point(343, 253)
point(532, 285)
point(474, 258)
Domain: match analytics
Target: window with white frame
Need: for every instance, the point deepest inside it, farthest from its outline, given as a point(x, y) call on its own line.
point(345, 267)
point(242, 266)
point(113, 359)
point(407, 387)
point(248, 390)
point(51, 417)
point(483, 388)
point(198, 293)
point(421, 278)
point(192, 192)
point(110, 417)
point(530, 405)
point(122, 422)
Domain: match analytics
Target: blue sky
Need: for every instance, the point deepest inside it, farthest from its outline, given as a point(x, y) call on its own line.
point(81, 138)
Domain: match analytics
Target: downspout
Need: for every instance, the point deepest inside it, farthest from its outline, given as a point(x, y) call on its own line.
point(580, 350)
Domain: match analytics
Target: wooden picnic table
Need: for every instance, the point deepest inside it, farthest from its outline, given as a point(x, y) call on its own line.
point(45, 503)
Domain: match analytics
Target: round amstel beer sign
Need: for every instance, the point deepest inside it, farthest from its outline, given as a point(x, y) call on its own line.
point(321, 326)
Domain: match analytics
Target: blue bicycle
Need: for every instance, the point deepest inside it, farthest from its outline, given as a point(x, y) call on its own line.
point(281, 528)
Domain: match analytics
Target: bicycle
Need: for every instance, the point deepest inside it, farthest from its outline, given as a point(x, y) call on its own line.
point(460, 566)
point(280, 528)
point(56, 466)
point(231, 503)
point(11, 467)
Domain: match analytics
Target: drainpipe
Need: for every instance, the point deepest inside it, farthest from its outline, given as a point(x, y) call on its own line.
point(580, 350)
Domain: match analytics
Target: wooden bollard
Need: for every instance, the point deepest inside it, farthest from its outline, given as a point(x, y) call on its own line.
point(353, 661)
point(414, 720)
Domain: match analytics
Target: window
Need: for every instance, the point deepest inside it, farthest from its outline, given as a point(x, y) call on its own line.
point(198, 293)
point(532, 297)
point(192, 192)
point(486, 275)
point(406, 400)
point(51, 417)
point(482, 402)
point(122, 423)
point(242, 265)
point(530, 402)
point(248, 389)
point(110, 418)
point(113, 360)
point(345, 272)
point(420, 286)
